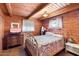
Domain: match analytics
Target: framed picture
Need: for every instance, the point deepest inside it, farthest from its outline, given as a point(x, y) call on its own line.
point(15, 27)
point(56, 23)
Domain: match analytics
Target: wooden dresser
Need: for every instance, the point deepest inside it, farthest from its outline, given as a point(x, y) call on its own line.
point(12, 40)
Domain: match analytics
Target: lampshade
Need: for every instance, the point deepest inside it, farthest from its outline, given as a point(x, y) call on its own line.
point(43, 29)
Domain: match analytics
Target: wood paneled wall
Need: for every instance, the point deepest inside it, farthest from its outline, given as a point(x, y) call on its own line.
point(7, 24)
point(46, 25)
point(9, 19)
point(1, 28)
point(18, 19)
point(38, 25)
point(70, 23)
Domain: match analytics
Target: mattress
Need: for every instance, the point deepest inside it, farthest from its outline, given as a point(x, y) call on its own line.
point(46, 39)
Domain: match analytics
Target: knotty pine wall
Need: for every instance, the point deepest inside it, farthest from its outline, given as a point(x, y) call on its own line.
point(38, 25)
point(46, 25)
point(1, 28)
point(9, 19)
point(70, 25)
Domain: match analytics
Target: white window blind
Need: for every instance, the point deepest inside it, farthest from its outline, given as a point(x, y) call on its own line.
point(28, 26)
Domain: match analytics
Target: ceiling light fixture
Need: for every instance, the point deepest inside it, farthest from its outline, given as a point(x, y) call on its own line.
point(45, 14)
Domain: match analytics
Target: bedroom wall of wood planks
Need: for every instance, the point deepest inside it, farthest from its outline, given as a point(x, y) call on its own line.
point(18, 19)
point(38, 25)
point(1, 28)
point(70, 23)
point(9, 19)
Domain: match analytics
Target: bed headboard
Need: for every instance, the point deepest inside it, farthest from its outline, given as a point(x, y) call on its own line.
point(56, 31)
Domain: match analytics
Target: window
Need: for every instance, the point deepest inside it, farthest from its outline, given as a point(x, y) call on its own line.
point(28, 26)
point(56, 23)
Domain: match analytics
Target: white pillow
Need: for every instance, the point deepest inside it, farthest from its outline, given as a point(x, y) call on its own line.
point(50, 33)
point(58, 35)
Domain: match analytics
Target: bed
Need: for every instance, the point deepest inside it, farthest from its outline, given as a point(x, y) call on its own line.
point(44, 45)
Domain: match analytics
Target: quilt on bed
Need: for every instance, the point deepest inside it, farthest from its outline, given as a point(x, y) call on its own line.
point(48, 45)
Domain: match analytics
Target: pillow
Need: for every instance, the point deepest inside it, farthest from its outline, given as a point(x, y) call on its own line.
point(50, 33)
point(58, 35)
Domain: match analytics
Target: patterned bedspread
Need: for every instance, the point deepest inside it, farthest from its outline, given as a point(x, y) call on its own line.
point(48, 45)
point(46, 39)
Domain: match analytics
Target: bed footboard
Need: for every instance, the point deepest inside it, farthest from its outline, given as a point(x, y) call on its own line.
point(31, 45)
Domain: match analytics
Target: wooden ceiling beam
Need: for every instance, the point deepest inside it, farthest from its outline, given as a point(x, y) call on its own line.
point(40, 7)
point(9, 8)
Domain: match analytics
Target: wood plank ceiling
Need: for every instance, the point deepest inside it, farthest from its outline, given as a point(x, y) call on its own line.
point(4, 8)
point(24, 9)
point(49, 9)
point(35, 10)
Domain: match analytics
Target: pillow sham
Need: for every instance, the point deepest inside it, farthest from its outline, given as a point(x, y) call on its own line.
point(58, 35)
point(50, 33)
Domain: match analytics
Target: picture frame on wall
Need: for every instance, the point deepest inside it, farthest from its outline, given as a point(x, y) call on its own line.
point(15, 27)
point(56, 23)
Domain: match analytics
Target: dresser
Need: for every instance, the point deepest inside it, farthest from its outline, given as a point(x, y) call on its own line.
point(12, 40)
